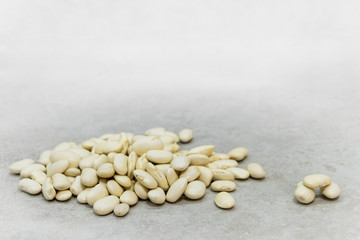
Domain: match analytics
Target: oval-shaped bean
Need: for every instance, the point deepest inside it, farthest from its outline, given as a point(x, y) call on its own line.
point(16, 167)
point(239, 173)
point(99, 160)
point(26, 172)
point(238, 154)
point(171, 176)
point(80, 151)
point(206, 175)
point(158, 131)
point(180, 163)
point(204, 149)
point(57, 167)
point(81, 197)
point(29, 186)
point(129, 197)
point(218, 156)
point(223, 186)
point(304, 194)
point(108, 147)
point(106, 170)
point(132, 159)
point(65, 146)
point(141, 162)
point(157, 195)
point(89, 177)
point(256, 171)
point(224, 200)
point(72, 172)
point(185, 135)
point(120, 164)
point(331, 191)
point(96, 193)
point(199, 159)
point(157, 175)
point(141, 191)
point(173, 148)
point(124, 181)
point(191, 173)
point(72, 157)
point(88, 162)
point(63, 195)
point(167, 139)
point(222, 174)
point(48, 189)
point(162, 168)
point(145, 179)
point(44, 158)
point(60, 181)
point(88, 144)
point(225, 164)
point(121, 209)
point(114, 188)
point(316, 180)
point(159, 156)
point(77, 187)
point(144, 145)
point(195, 190)
point(106, 205)
point(38, 176)
point(71, 179)
point(176, 190)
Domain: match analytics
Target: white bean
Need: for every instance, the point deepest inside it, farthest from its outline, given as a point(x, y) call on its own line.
point(159, 156)
point(204, 149)
point(44, 158)
point(26, 172)
point(171, 176)
point(239, 173)
point(185, 135)
point(106, 170)
point(304, 194)
point(195, 190)
point(180, 163)
point(120, 164)
point(89, 177)
point(16, 167)
point(145, 179)
point(206, 175)
point(316, 180)
point(224, 200)
point(146, 144)
point(121, 209)
point(176, 190)
point(124, 181)
point(106, 205)
point(63, 195)
point(223, 186)
point(57, 167)
point(81, 197)
point(141, 191)
point(77, 187)
point(38, 176)
point(96, 193)
point(48, 190)
point(114, 188)
point(157, 195)
point(222, 174)
point(60, 181)
point(331, 191)
point(29, 186)
point(157, 175)
point(256, 171)
point(129, 197)
point(199, 159)
point(238, 153)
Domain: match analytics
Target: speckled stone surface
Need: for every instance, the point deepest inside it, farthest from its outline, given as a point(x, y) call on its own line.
point(74, 71)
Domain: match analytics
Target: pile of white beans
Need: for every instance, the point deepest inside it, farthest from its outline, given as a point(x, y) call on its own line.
point(113, 171)
point(305, 190)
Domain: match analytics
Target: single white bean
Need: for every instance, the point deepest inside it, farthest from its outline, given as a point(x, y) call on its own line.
point(157, 195)
point(185, 135)
point(107, 147)
point(222, 174)
point(206, 175)
point(145, 179)
point(44, 158)
point(141, 162)
point(124, 181)
point(72, 172)
point(171, 176)
point(77, 187)
point(238, 154)
point(29, 186)
point(120, 164)
point(99, 160)
point(224, 200)
point(331, 191)
point(176, 190)
point(132, 159)
point(239, 173)
point(129, 197)
point(114, 188)
point(157, 175)
point(81, 197)
point(48, 189)
point(316, 180)
point(72, 157)
point(106, 170)
point(195, 190)
point(204, 149)
point(225, 164)
point(96, 193)
point(121, 209)
point(304, 194)
point(63, 195)
point(141, 191)
point(38, 176)
point(256, 171)
point(57, 167)
point(60, 181)
point(180, 163)
point(159, 156)
point(106, 205)
point(191, 173)
point(141, 146)
point(89, 177)
point(223, 186)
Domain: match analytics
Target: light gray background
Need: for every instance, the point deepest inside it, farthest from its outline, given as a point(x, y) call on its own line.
point(279, 77)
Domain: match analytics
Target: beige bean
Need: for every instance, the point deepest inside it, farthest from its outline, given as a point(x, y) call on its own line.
point(157, 175)
point(114, 188)
point(72, 172)
point(29, 186)
point(26, 172)
point(239, 173)
point(89, 177)
point(141, 191)
point(63, 195)
point(199, 159)
point(225, 164)
point(191, 173)
point(88, 144)
point(316, 180)
point(141, 162)
point(171, 176)
point(159, 156)
point(185, 135)
point(124, 181)
point(129, 197)
point(48, 189)
point(206, 175)
point(238, 154)
point(162, 168)
point(16, 167)
point(132, 159)
point(38, 176)
point(157, 195)
point(331, 191)
point(218, 156)
point(167, 139)
point(173, 148)
point(180, 163)
point(44, 158)
point(144, 145)
point(81, 197)
point(80, 151)
point(304, 194)
point(96, 193)
point(88, 162)
point(121, 209)
point(65, 146)
point(158, 131)
point(111, 157)
point(107, 147)
point(57, 167)
point(99, 160)
point(224, 200)
point(223, 186)
point(106, 205)
point(72, 157)
point(145, 179)
point(204, 149)
point(256, 171)
point(176, 190)
point(120, 164)
point(71, 179)
point(60, 181)
point(222, 174)
point(106, 170)
point(77, 187)
point(195, 190)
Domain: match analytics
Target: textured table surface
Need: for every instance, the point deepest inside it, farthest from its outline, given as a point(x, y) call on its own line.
point(283, 85)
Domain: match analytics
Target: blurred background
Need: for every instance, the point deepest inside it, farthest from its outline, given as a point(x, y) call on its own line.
point(279, 77)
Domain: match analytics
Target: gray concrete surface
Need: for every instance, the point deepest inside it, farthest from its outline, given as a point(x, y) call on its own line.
point(281, 79)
